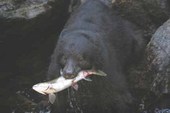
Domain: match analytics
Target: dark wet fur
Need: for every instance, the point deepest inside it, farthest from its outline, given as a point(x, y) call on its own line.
point(95, 35)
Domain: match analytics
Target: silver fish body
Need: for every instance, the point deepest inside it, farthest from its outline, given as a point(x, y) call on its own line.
point(53, 86)
point(61, 83)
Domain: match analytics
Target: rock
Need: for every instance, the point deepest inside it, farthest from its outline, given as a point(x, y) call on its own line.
point(158, 58)
point(25, 46)
point(150, 78)
point(23, 8)
point(147, 14)
point(163, 4)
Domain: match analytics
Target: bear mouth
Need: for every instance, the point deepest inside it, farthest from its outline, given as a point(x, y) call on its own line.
point(68, 76)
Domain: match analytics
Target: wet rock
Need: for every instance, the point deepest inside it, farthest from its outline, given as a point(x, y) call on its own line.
point(162, 111)
point(158, 58)
point(153, 75)
point(25, 48)
point(147, 14)
point(163, 4)
point(23, 8)
point(149, 80)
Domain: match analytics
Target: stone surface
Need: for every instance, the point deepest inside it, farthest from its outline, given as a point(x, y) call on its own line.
point(158, 51)
point(23, 8)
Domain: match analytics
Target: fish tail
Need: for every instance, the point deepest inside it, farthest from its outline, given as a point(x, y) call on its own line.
point(100, 73)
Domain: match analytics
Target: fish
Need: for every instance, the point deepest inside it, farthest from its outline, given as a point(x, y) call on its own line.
point(59, 84)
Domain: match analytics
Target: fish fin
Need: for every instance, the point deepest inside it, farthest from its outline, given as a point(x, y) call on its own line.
point(87, 79)
point(75, 86)
point(52, 98)
point(100, 73)
point(43, 93)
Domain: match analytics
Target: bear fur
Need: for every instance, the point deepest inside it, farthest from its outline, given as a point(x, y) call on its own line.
point(95, 37)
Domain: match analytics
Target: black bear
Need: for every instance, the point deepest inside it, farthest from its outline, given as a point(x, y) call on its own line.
point(96, 38)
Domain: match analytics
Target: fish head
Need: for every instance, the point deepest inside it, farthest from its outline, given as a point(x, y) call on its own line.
point(41, 88)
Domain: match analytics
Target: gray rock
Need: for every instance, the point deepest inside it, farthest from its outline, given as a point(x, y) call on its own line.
point(163, 4)
point(158, 57)
point(23, 8)
point(163, 111)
